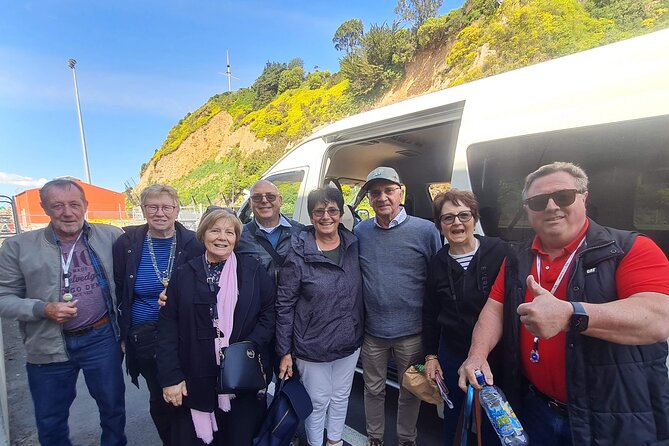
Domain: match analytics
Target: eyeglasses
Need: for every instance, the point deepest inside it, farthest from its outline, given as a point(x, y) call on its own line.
point(562, 198)
point(257, 198)
point(153, 208)
point(321, 212)
point(377, 193)
point(449, 219)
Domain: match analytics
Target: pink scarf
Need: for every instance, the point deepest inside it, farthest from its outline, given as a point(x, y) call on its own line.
point(226, 299)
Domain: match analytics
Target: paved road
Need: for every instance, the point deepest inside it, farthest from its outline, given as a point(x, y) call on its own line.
point(85, 431)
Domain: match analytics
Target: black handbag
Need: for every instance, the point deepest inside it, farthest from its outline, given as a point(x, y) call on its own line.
point(241, 369)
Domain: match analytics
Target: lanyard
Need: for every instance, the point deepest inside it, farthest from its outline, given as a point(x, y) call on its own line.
point(562, 273)
point(66, 268)
point(534, 353)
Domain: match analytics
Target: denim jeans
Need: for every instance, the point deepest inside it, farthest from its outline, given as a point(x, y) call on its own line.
point(53, 388)
point(543, 425)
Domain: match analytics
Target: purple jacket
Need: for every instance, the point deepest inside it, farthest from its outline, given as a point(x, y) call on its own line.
point(319, 307)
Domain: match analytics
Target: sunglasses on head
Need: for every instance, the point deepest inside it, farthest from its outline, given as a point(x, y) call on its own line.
point(257, 198)
point(562, 198)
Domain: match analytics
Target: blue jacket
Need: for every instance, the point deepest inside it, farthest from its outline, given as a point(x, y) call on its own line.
point(320, 311)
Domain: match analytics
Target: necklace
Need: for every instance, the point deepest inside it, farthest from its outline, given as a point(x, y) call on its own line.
point(164, 276)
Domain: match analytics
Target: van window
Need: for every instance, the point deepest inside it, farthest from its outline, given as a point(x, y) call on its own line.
point(437, 188)
point(627, 164)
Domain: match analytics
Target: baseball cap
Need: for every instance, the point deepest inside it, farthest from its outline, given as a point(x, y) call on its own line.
point(382, 173)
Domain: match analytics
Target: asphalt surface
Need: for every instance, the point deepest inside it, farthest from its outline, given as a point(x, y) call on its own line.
point(84, 417)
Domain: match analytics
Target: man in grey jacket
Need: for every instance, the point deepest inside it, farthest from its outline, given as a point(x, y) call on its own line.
point(58, 283)
point(267, 236)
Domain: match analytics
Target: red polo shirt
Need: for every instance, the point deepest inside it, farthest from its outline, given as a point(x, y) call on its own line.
point(644, 269)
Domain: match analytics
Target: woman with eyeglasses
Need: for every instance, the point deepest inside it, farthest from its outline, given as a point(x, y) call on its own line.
point(144, 258)
point(213, 301)
point(320, 314)
point(459, 281)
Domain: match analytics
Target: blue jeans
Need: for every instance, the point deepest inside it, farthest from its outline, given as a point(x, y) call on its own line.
point(53, 388)
point(543, 425)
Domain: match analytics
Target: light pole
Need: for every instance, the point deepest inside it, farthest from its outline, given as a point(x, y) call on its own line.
point(71, 63)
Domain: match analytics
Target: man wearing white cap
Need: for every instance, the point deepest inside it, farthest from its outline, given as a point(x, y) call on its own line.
point(395, 250)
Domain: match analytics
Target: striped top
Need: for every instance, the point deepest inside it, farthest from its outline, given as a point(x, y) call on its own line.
point(465, 259)
point(147, 285)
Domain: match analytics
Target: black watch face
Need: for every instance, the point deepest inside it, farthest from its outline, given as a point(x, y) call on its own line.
point(579, 322)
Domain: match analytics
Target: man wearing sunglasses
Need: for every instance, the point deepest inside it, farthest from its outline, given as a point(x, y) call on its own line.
point(267, 235)
point(395, 250)
point(581, 312)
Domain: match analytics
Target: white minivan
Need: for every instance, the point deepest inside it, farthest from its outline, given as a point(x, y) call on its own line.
point(606, 109)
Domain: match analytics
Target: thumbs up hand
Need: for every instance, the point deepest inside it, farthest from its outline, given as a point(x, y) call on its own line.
point(546, 315)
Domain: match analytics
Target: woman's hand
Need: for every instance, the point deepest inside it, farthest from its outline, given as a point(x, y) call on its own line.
point(286, 367)
point(433, 368)
point(174, 394)
point(162, 298)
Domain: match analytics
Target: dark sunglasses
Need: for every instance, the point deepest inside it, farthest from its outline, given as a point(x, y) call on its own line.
point(562, 198)
point(257, 198)
point(321, 212)
point(449, 219)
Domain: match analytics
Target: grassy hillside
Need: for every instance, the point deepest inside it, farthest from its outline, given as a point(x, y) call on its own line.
point(482, 38)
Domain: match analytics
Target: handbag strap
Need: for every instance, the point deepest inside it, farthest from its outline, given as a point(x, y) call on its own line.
point(477, 417)
point(467, 422)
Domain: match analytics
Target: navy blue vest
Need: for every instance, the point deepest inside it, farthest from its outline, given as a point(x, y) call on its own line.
point(618, 394)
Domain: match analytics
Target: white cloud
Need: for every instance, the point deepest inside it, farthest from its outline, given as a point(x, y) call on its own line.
point(19, 180)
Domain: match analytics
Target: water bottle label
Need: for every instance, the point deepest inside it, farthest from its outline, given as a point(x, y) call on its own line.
point(502, 424)
point(512, 416)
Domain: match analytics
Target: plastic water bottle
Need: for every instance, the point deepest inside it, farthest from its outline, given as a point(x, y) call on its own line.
point(501, 415)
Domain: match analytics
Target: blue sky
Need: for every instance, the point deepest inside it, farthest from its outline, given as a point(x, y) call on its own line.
point(141, 66)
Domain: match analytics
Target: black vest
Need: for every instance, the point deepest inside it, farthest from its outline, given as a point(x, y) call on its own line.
point(618, 394)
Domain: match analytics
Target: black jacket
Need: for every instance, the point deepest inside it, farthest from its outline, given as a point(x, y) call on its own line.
point(127, 252)
point(617, 394)
point(455, 297)
point(320, 312)
point(186, 332)
point(254, 242)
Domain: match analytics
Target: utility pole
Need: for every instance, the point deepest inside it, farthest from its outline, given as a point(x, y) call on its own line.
point(71, 63)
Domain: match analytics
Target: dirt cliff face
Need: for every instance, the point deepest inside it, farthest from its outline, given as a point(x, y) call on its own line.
point(422, 75)
point(212, 140)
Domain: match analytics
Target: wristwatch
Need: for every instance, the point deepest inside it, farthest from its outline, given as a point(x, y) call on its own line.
point(579, 320)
